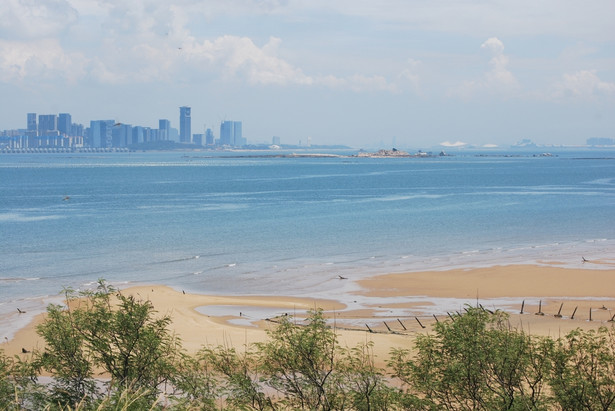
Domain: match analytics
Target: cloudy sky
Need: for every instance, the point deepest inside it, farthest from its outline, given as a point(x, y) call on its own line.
point(409, 73)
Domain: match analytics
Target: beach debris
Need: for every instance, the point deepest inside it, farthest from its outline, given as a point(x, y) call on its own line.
point(402, 324)
point(540, 308)
point(183, 292)
point(585, 260)
point(342, 278)
point(559, 312)
point(20, 311)
point(387, 326)
point(574, 312)
point(419, 321)
point(66, 198)
point(23, 350)
point(522, 305)
point(370, 330)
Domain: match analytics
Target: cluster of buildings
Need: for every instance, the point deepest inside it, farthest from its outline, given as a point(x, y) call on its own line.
point(58, 132)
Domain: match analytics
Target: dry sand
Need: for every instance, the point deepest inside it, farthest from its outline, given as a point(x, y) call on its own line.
point(243, 319)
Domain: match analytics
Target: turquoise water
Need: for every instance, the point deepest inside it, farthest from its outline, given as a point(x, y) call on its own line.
point(288, 225)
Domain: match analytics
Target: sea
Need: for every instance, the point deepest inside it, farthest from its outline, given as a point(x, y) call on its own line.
point(246, 223)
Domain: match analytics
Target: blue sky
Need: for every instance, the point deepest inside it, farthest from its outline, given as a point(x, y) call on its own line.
point(414, 73)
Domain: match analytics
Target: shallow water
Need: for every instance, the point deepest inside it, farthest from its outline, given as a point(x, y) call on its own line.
point(288, 225)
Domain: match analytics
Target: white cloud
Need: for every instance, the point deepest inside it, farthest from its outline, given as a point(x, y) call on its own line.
point(497, 81)
point(584, 84)
point(28, 19)
point(41, 60)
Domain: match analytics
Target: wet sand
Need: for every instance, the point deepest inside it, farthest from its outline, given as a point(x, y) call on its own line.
point(389, 305)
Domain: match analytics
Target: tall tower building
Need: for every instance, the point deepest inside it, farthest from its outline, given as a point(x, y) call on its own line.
point(164, 127)
point(32, 125)
point(64, 124)
point(237, 134)
point(227, 134)
point(47, 125)
point(185, 125)
point(101, 133)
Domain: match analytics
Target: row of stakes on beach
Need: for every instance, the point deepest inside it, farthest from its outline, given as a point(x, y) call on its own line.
point(451, 316)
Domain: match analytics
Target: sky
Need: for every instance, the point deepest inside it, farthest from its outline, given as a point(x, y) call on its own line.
point(404, 73)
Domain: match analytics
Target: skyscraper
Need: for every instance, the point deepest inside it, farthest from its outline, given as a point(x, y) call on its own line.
point(32, 125)
point(64, 124)
point(47, 125)
point(100, 133)
point(164, 127)
point(185, 125)
point(237, 134)
point(226, 133)
point(231, 133)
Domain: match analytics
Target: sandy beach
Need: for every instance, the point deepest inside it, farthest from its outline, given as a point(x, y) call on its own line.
point(390, 305)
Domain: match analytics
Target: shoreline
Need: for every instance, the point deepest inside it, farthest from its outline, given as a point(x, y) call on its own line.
point(388, 301)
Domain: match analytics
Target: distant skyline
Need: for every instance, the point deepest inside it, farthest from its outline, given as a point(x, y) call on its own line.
point(361, 73)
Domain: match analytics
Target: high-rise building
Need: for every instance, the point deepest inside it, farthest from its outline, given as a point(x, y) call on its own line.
point(64, 124)
point(185, 125)
point(209, 137)
point(164, 127)
point(121, 135)
point(226, 133)
point(47, 125)
point(32, 125)
point(100, 133)
point(231, 133)
point(238, 134)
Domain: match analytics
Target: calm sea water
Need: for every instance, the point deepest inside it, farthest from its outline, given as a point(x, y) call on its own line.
point(288, 226)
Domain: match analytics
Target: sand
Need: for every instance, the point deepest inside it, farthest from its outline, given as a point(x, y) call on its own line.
point(390, 305)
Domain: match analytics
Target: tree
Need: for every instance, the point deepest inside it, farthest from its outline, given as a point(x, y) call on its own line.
point(476, 362)
point(120, 334)
point(299, 360)
point(584, 372)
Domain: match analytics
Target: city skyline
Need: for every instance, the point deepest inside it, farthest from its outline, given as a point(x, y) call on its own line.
point(360, 73)
point(57, 131)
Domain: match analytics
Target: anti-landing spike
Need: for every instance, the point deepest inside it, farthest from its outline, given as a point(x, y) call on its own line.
point(559, 312)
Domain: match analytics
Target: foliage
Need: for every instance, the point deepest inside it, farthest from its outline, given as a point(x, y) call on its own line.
point(106, 329)
point(298, 361)
point(584, 374)
point(475, 362)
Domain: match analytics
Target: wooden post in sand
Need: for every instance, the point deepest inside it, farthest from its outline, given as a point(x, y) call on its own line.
point(612, 319)
point(559, 312)
point(402, 324)
point(574, 312)
point(387, 326)
point(540, 308)
point(419, 321)
point(451, 317)
point(370, 330)
point(522, 305)
point(590, 314)
point(436, 318)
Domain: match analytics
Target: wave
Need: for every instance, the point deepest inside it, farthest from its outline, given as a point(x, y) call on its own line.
point(22, 218)
point(18, 279)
